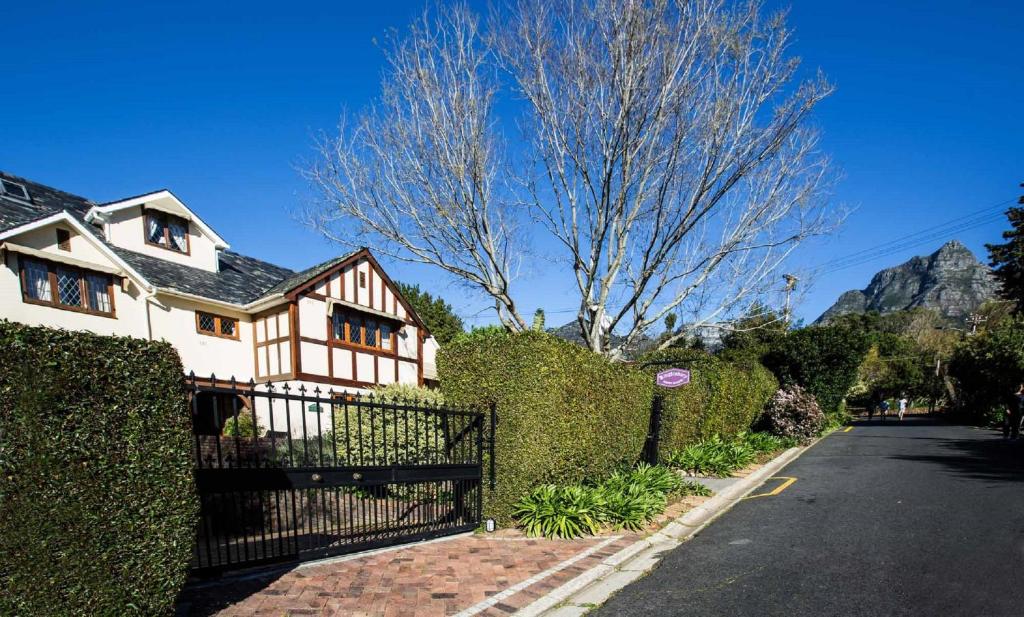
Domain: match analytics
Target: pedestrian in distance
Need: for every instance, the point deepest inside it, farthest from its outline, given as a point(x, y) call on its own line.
point(883, 408)
point(903, 406)
point(1012, 415)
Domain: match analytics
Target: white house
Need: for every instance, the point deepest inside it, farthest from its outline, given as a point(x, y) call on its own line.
point(149, 267)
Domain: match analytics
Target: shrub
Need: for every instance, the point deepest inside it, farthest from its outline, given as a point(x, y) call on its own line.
point(722, 398)
point(793, 412)
point(409, 392)
point(243, 426)
point(98, 509)
point(565, 414)
point(821, 359)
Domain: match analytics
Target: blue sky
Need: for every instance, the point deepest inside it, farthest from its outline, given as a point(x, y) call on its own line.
point(218, 102)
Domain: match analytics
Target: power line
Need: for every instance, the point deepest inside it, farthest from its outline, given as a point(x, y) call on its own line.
point(973, 220)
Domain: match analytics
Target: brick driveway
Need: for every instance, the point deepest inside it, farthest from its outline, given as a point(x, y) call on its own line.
point(438, 578)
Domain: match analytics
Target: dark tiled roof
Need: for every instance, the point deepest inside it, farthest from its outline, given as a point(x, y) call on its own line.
point(299, 278)
point(241, 279)
point(46, 201)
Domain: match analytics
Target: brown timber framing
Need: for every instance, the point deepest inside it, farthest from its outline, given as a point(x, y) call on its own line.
point(308, 289)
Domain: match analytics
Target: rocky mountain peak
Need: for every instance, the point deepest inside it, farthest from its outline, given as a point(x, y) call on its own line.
point(951, 280)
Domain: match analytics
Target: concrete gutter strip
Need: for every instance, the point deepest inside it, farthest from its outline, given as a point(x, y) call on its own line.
point(595, 586)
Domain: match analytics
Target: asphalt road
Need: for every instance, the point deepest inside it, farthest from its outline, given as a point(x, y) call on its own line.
point(912, 518)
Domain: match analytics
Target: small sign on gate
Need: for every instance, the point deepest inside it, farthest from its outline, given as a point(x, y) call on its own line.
point(673, 377)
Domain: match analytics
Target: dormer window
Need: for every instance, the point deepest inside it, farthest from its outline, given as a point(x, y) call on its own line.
point(167, 231)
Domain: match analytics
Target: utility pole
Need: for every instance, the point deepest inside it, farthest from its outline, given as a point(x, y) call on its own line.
point(791, 282)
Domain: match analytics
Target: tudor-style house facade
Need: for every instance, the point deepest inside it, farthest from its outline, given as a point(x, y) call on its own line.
point(149, 267)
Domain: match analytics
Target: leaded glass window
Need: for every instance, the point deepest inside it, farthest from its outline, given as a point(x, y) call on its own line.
point(98, 287)
point(37, 281)
point(371, 333)
point(167, 230)
point(355, 334)
point(69, 287)
point(207, 323)
point(385, 336)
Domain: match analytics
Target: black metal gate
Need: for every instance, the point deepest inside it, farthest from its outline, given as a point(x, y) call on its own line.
point(287, 474)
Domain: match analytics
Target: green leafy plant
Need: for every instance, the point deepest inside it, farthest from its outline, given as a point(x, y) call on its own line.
point(692, 487)
point(764, 442)
point(626, 499)
point(97, 506)
point(560, 511)
point(714, 456)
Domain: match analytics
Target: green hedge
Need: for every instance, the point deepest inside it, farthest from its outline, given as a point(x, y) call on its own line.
point(98, 509)
point(722, 398)
point(565, 414)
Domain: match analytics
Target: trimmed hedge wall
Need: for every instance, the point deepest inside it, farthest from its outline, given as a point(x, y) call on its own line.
point(98, 508)
point(565, 414)
point(722, 398)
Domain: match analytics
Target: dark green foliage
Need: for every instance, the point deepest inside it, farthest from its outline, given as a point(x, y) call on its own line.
point(987, 370)
point(565, 413)
point(822, 359)
point(754, 333)
point(98, 508)
point(723, 398)
point(437, 314)
point(1007, 259)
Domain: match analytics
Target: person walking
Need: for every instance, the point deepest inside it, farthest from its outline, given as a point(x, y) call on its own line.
point(1012, 415)
point(903, 406)
point(883, 407)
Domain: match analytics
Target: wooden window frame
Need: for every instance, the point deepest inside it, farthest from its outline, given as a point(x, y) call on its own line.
point(216, 326)
point(346, 341)
point(63, 239)
point(168, 243)
point(54, 301)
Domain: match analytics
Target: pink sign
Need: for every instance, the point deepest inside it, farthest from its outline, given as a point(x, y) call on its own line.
point(673, 378)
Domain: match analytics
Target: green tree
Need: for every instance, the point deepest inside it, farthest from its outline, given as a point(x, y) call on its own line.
point(437, 314)
point(987, 369)
point(822, 359)
point(1007, 259)
point(538, 320)
point(755, 332)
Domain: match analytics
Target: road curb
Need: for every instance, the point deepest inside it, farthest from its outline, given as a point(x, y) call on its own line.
point(596, 585)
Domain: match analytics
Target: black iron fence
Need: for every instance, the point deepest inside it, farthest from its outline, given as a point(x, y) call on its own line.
point(287, 473)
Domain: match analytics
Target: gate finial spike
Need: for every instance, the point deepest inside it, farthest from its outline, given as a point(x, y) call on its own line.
point(252, 383)
point(213, 379)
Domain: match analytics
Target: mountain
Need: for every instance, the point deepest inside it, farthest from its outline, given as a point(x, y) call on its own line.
point(951, 281)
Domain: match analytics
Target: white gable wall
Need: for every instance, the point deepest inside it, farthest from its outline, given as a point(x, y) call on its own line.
point(127, 229)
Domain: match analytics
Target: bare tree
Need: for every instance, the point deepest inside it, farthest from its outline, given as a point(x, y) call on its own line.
point(667, 152)
point(416, 175)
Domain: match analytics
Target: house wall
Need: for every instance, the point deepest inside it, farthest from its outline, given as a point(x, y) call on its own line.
point(341, 364)
point(127, 229)
point(174, 320)
point(129, 307)
point(272, 345)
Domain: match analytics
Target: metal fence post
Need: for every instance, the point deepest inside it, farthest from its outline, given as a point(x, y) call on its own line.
point(491, 441)
point(653, 431)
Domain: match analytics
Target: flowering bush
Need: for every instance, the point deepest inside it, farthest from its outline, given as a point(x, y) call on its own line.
point(793, 412)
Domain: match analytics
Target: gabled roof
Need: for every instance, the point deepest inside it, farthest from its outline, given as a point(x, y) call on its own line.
point(241, 279)
point(163, 195)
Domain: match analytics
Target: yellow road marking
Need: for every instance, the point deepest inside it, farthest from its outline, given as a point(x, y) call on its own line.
point(778, 489)
point(848, 429)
